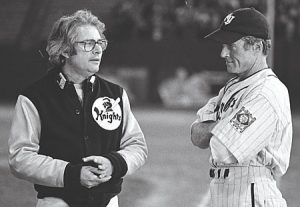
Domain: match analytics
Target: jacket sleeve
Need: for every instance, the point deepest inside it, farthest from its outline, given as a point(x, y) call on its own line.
point(23, 143)
point(133, 146)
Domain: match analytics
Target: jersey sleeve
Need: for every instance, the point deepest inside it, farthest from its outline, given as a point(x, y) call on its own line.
point(133, 146)
point(24, 160)
point(248, 129)
point(208, 111)
point(220, 153)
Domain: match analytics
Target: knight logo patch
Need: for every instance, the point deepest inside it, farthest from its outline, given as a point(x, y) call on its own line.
point(228, 19)
point(242, 119)
point(107, 113)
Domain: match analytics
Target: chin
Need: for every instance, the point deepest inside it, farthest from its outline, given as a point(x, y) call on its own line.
point(231, 70)
point(94, 69)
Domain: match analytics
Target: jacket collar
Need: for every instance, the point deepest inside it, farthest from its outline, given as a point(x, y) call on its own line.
point(62, 81)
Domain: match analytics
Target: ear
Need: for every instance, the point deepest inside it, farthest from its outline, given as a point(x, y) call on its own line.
point(65, 54)
point(258, 46)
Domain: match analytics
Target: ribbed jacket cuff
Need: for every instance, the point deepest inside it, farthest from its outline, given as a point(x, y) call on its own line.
point(119, 164)
point(72, 176)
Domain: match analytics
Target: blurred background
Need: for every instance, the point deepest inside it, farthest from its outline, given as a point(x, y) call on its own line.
point(151, 43)
point(157, 53)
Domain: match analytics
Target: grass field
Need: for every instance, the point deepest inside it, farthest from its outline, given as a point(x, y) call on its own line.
point(176, 173)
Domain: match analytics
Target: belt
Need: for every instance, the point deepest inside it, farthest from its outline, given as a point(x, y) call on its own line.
point(219, 173)
point(253, 172)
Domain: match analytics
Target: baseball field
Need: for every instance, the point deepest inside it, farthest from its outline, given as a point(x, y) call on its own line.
point(176, 172)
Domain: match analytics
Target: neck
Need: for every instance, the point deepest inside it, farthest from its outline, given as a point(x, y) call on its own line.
point(72, 76)
point(258, 65)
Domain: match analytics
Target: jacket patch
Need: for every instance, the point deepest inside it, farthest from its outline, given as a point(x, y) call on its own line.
point(242, 119)
point(107, 113)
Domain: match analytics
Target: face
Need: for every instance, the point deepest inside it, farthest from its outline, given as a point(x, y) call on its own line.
point(239, 60)
point(84, 64)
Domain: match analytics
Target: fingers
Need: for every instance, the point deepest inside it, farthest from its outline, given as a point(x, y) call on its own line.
point(96, 181)
point(105, 179)
point(101, 171)
point(92, 158)
point(96, 159)
point(95, 170)
point(104, 166)
point(91, 176)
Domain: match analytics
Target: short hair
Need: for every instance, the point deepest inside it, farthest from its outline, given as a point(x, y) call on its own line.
point(63, 34)
point(250, 40)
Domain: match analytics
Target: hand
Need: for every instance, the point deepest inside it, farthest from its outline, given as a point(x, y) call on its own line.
point(89, 177)
point(201, 133)
point(105, 167)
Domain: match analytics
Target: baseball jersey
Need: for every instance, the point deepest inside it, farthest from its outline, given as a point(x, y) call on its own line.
point(254, 124)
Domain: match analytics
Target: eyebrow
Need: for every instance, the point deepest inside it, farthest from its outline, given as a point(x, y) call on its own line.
point(92, 40)
point(229, 44)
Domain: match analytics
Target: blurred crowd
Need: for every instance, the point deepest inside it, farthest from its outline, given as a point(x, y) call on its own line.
point(190, 90)
point(157, 19)
point(287, 22)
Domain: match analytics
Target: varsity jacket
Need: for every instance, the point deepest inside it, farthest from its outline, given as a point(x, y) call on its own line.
point(53, 131)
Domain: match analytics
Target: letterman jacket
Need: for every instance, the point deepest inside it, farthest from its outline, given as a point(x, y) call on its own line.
point(52, 131)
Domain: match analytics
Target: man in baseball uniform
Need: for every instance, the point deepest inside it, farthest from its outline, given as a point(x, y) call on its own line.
point(73, 134)
point(247, 126)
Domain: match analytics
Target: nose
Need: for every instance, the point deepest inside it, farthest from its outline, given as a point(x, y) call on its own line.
point(98, 49)
point(224, 51)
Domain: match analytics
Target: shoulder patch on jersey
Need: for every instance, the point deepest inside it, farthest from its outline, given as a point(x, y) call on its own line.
point(242, 119)
point(107, 113)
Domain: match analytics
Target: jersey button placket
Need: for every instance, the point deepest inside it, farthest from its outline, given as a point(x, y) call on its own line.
point(86, 138)
point(77, 111)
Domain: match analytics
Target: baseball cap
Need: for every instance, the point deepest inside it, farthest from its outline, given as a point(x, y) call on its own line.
point(241, 22)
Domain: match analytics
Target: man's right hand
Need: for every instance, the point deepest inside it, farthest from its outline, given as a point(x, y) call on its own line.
point(89, 177)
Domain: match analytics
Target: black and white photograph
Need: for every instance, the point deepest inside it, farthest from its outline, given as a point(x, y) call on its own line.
point(156, 103)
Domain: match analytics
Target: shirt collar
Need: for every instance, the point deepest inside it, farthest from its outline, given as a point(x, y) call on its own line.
point(62, 81)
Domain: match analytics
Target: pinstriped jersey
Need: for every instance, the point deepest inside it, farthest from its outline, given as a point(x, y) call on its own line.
point(254, 124)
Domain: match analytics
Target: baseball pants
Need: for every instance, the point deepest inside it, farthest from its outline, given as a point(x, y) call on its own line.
point(244, 187)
